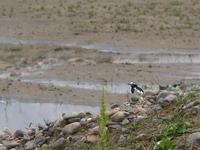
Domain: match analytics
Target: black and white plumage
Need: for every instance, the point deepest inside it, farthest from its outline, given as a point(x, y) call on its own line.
point(136, 88)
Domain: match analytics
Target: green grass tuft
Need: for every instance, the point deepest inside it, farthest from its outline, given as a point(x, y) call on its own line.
point(102, 118)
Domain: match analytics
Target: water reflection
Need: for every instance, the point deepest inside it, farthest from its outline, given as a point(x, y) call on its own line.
point(18, 115)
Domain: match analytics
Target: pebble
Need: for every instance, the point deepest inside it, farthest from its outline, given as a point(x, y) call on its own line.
point(194, 138)
point(18, 134)
point(191, 104)
point(125, 122)
point(118, 116)
point(72, 128)
point(92, 138)
point(58, 144)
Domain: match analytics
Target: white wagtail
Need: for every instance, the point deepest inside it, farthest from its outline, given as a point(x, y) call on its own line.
point(135, 87)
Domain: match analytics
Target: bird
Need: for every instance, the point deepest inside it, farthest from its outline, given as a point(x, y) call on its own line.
point(136, 88)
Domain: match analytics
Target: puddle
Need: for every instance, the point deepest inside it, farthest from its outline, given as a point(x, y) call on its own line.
point(18, 115)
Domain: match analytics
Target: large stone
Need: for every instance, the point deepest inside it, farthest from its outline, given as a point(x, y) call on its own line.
point(134, 99)
point(119, 116)
point(121, 140)
point(18, 134)
point(94, 130)
point(125, 122)
point(71, 120)
point(10, 144)
point(113, 111)
point(194, 138)
point(71, 128)
point(58, 144)
point(113, 106)
point(142, 137)
point(39, 140)
point(168, 99)
point(191, 104)
point(148, 93)
point(60, 122)
point(30, 145)
point(163, 94)
point(7, 132)
point(73, 115)
point(171, 98)
point(2, 147)
point(92, 138)
point(115, 126)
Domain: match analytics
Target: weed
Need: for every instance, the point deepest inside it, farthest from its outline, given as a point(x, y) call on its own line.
point(173, 130)
point(163, 140)
point(136, 125)
point(102, 124)
point(46, 148)
point(165, 144)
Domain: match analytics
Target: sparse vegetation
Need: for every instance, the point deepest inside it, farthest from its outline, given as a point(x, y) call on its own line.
point(102, 140)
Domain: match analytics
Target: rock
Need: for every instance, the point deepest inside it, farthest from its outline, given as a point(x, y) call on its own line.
point(30, 132)
point(73, 115)
point(115, 126)
point(113, 106)
point(111, 123)
point(163, 87)
point(167, 99)
point(151, 99)
point(91, 125)
point(194, 138)
point(126, 130)
point(58, 144)
point(39, 140)
point(171, 97)
point(2, 147)
point(83, 121)
point(29, 145)
point(71, 120)
point(119, 116)
point(131, 117)
point(7, 132)
point(91, 120)
point(191, 104)
point(94, 130)
point(125, 122)
point(10, 144)
point(121, 139)
point(148, 93)
point(18, 134)
point(113, 111)
point(163, 94)
point(92, 138)
point(60, 122)
point(71, 128)
point(134, 99)
point(142, 137)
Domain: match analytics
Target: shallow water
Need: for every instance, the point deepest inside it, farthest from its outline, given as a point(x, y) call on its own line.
point(110, 87)
point(97, 46)
point(160, 58)
point(136, 55)
point(18, 115)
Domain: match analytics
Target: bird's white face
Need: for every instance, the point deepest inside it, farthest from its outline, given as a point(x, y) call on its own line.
point(132, 83)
